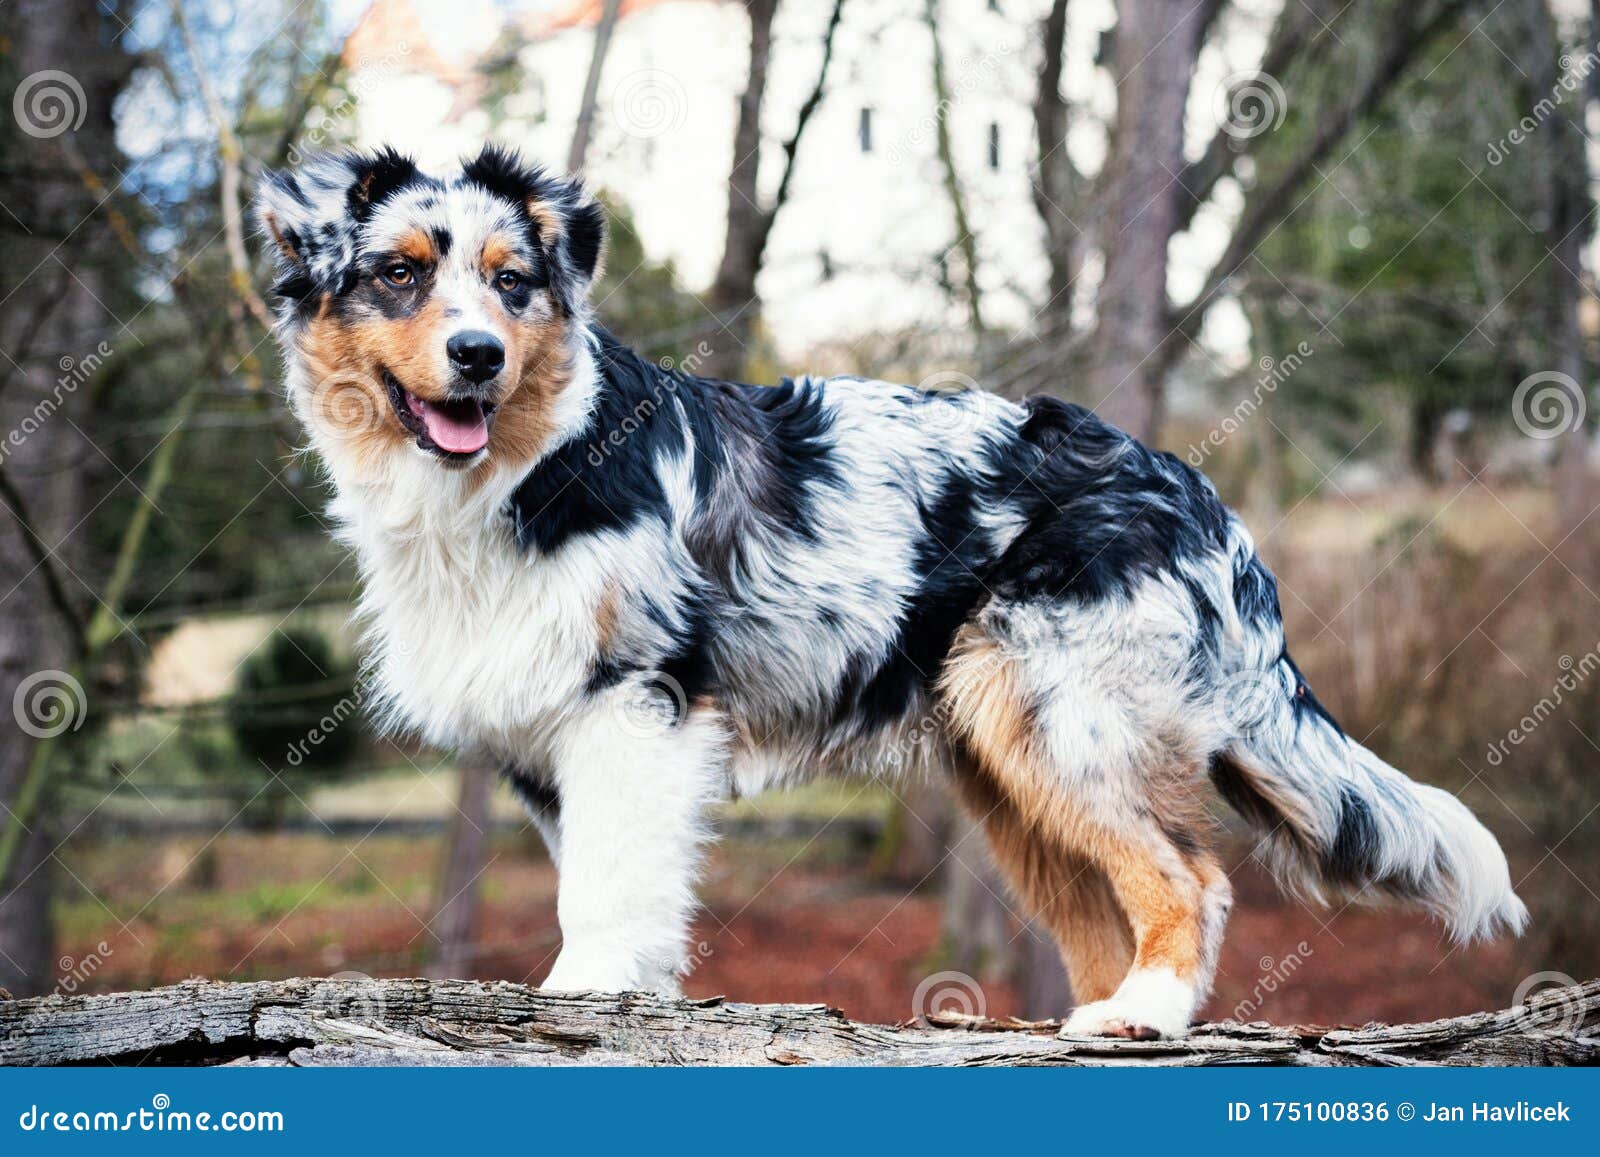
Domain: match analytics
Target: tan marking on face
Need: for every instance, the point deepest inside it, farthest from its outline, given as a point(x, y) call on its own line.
point(549, 219)
point(343, 397)
point(498, 253)
point(416, 246)
point(354, 353)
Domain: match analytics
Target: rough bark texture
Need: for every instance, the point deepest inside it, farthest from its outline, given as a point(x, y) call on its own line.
point(54, 277)
point(1156, 45)
point(452, 1022)
point(732, 295)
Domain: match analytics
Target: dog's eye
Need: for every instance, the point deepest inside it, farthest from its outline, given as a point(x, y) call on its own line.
point(508, 280)
point(399, 275)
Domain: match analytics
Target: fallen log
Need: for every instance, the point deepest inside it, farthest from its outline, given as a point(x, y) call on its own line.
point(361, 1021)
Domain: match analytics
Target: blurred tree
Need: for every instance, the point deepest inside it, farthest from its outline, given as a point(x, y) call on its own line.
point(1146, 191)
point(733, 297)
point(64, 285)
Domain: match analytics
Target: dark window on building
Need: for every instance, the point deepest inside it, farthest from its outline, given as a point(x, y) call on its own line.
point(864, 130)
point(994, 145)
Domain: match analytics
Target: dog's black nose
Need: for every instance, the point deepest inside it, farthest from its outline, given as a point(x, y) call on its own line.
point(478, 356)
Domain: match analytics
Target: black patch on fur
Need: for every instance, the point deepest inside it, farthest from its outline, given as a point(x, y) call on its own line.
point(537, 794)
point(378, 176)
point(948, 557)
point(1239, 793)
point(1353, 857)
point(763, 463)
point(1305, 703)
point(585, 233)
point(594, 482)
point(502, 172)
point(1104, 511)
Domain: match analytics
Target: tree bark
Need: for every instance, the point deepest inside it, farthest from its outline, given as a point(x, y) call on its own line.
point(966, 242)
point(1058, 187)
point(417, 1022)
point(52, 321)
point(465, 858)
point(1157, 42)
point(733, 297)
point(591, 86)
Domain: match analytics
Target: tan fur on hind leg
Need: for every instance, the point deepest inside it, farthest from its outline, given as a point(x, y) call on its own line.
point(1046, 830)
point(1069, 895)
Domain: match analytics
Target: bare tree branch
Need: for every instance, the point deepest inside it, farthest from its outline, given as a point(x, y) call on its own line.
point(230, 156)
point(1404, 42)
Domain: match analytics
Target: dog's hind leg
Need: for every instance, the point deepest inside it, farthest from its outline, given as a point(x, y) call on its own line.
point(634, 786)
point(1068, 893)
point(1073, 807)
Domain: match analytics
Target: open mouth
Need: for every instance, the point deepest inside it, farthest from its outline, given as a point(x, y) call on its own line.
point(455, 429)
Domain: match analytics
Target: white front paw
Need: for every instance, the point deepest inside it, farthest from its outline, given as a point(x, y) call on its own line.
point(578, 971)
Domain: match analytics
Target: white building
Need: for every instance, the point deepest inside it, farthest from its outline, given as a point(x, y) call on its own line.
point(856, 250)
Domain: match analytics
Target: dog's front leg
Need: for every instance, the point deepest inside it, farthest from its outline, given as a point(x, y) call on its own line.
point(634, 785)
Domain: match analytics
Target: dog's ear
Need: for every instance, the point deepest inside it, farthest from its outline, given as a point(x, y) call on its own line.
point(568, 224)
point(311, 215)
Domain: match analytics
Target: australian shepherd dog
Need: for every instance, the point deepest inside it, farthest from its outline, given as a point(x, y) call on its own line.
point(647, 592)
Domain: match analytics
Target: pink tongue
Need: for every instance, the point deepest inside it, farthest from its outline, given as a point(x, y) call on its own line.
point(458, 427)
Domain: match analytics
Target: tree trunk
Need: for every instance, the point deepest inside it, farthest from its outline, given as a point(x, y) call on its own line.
point(591, 85)
point(1156, 45)
point(55, 277)
point(1057, 184)
point(466, 856)
point(733, 293)
point(966, 242)
point(349, 1022)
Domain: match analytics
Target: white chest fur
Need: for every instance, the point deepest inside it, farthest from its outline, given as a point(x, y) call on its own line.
point(472, 642)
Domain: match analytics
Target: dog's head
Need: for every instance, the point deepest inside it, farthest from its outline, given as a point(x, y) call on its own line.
point(429, 313)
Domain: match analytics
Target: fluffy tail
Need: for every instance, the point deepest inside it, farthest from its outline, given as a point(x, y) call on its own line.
point(1339, 824)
